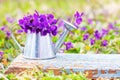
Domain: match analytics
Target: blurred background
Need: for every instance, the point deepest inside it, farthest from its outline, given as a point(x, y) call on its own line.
point(61, 8)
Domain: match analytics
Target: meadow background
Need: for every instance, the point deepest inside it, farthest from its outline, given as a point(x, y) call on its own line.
point(100, 17)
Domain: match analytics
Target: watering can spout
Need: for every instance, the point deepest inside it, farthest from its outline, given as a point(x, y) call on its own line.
point(68, 27)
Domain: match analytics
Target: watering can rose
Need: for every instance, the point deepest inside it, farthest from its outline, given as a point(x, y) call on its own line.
point(39, 23)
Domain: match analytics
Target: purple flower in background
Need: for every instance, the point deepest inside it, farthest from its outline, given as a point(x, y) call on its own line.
point(10, 19)
point(110, 26)
point(89, 21)
point(6, 31)
point(104, 43)
point(85, 36)
point(19, 31)
point(97, 35)
point(104, 32)
point(1, 54)
point(60, 23)
point(92, 41)
point(83, 28)
point(78, 18)
point(68, 45)
point(69, 19)
point(77, 14)
point(8, 34)
point(116, 29)
point(3, 28)
point(39, 23)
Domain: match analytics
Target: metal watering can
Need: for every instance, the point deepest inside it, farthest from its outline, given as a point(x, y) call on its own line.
point(41, 47)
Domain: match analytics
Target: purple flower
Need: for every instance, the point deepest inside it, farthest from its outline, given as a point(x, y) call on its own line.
point(19, 31)
point(53, 28)
point(104, 32)
point(60, 23)
point(52, 22)
point(69, 19)
point(42, 18)
point(39, 23)
point(3, 28)
point(54, 33)
point(97, 35)
point(8, 34)
point(1, 54)
point(110, 26)
point(85, 36)
point(77, 14)
point(44, 32)
point(78, 18)
point(92, 41)
point(50, 16)
point(83, 28)
point(68, 45)
point(10, 19)
point(89, 21)
point(6, 31)
point(104, 43)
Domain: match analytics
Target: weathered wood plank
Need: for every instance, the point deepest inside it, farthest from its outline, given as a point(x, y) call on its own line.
point(96, 65)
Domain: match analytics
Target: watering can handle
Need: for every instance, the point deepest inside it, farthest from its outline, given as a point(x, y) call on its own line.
point(14, 39)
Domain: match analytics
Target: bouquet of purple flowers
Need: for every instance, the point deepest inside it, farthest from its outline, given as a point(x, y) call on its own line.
point(39, 23)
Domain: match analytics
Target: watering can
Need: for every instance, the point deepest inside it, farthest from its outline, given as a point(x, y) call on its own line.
point(41, 47)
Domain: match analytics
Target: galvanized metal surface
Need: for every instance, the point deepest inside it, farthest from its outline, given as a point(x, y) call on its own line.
point(97, 65)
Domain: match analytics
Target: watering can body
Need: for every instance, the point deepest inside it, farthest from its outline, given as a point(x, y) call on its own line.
point(38, 47)
point(41, 47)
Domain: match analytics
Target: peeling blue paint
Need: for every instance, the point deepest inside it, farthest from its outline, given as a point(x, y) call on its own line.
point(78, 70)
point(81, 63)
point(107, 74)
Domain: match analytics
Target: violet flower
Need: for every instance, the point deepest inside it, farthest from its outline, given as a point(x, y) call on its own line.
point(50, 16)
point(10, 19)
point(78, 18)
point(97, 35)
point(89, 21)
point(60, 23)
point(8, 34)
point(110, 26)
point(92, 41)
point(104, 32)
point(39, 23)
point(6, 31)
point(104, 43)
point(1, 54)
point(68, 45)
point(86, 36)
point(3, 28)
point(83, 28)
point(19, 31)
point(69, 19)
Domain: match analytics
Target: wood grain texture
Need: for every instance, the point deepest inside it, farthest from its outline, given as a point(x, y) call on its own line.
point(96, 65)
